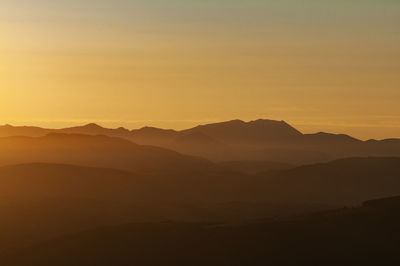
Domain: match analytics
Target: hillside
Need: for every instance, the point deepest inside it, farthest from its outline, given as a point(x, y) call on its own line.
point(96, 151)
point(40, 201)
point(346, 181)
point(55, 199)
point(364, 236)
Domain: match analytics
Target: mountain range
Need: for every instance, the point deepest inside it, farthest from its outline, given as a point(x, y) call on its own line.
point(259, 140)
point(230, 188)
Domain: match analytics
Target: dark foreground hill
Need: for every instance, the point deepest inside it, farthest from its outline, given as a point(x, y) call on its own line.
point(41, 201)
point(367, 235)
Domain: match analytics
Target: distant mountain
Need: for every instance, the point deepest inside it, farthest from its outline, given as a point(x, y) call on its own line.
point(96, 151)
point(153, 136)
point(366, 235)
point(94, 129)
point(255, 167)
point(236, 140)
point(344, 182)
point(9, 131)
point(200, 144)
point(38, 181)
point(238, 132)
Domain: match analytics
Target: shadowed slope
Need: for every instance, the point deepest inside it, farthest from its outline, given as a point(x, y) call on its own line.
point(54, 199)
point(347, 181)
point(40, 201)
point(363, 236)
point(200, 144)
point(255, 167)
point(37, 181)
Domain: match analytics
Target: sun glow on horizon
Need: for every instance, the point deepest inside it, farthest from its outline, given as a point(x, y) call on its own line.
point(322, 66)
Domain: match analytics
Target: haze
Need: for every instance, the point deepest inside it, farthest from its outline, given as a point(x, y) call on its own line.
point(320, 65)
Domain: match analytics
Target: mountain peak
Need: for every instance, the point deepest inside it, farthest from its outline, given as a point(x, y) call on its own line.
point(238, 131)
point(92, 125)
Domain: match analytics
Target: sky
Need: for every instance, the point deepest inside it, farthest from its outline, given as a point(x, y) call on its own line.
point(320, 65)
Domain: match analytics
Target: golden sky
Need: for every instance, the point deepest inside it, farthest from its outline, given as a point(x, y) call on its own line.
point(319, 65)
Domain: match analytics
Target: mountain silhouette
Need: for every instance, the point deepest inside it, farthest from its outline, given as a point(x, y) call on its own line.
point(200, 144)
point(236, 140)
point(255, 167)
point(96, 151)
point(238, 132)
point(10, 131)
point(153, 136)
point(94, 129)
point(344, 182)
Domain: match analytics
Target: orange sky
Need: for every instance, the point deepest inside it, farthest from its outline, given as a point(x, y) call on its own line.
point(319, 65)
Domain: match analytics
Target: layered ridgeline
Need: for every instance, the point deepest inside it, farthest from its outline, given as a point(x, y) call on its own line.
point(260, 140)
point(345, 181)
point(96, 151)
point(57, 182)
point(40, 201)
point(367, 235)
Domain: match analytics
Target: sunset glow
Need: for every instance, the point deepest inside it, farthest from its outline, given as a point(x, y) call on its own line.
point(320, 65)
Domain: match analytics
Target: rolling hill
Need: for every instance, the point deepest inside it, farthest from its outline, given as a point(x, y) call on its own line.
point(41, 200)
point(366, 235)
point(345, 182)
point(96, 151)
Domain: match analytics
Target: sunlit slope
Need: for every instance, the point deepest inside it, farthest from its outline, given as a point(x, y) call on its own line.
point(98, 151)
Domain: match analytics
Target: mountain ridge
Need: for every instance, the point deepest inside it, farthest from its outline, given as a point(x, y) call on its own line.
point(256, 140)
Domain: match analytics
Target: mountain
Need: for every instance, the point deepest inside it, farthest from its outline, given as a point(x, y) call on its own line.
point(344, 182)
point(200, 144)
point(367, 235)
point(97, 151)
point(40, 201)
point(255, 167)
point(237, 132)
point(9, 131)
point(153, 136)
point(36, 181)
point(94, 129)
point(236, 140)
point(56, 199)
